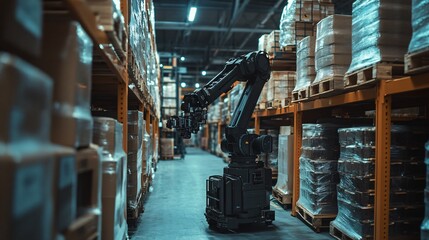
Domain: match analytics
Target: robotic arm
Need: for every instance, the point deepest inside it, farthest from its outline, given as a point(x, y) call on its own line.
point(252, 68)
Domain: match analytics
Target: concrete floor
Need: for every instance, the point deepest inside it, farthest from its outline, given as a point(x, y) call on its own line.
point(175, 207)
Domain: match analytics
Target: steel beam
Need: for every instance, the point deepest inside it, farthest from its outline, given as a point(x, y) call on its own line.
point(166, 25)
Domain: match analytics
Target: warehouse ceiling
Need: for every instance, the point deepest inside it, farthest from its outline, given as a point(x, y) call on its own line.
point(222, 29)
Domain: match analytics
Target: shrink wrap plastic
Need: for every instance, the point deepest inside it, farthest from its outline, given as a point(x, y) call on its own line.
point(285, 164)
point(333, 47)
point(305, 65)
point(108, 135)
point(420, 24)
point(135, 154)
point(381, 31)
point(280, 85)
point(356, 189)
point(318, 168)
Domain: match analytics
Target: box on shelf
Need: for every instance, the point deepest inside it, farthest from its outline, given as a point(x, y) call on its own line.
point(285, 164)
point(135, 158)
point(280, 85)
point(21, 27)
point(381, 31)
point(333, 49)
point(420, 25)
point(67, 58)
point(108, 134)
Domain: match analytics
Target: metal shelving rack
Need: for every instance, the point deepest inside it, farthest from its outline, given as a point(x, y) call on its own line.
point(383, 96)
point(112, 79)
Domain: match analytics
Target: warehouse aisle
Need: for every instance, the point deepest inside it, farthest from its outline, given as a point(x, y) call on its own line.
point(175, 208)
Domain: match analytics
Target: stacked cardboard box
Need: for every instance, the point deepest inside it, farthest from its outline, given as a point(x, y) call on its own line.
point(280, 85)
point(305, 65)
point(356, 189)
point(134, 161)
point(272, 42)
point(262, 43)
point(67, 58)
point(425, 224)
point(333, 49)
point(420, 24)
point(299, 19)
point(381, 32)
point(285, 163)
point(318, 169)
point(167, 147)
point(108, 135)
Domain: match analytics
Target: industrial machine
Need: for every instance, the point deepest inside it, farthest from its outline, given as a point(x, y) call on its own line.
point(241, 195)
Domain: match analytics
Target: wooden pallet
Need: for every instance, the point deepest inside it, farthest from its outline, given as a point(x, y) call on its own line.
point(301, 95)
point(290, 48)
point(417, 62)
point(283, 64)
point(284, 199)
point(330, 86)
point(274, 104)
point(340, 235)
point(316, 222)
point(370, 75)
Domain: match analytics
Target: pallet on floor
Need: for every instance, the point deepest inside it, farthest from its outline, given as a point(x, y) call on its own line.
point(370, 75)
point(417, 62)
point(301, 94)
point(329, 86)
point(274, 104)
point(284, 199)
point(340, 235)
point(316, 222)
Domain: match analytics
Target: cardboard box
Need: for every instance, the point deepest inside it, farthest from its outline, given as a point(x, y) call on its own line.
point(88, 167)
point(114, 225)
point(167, 147)
point(65, 188)
point(21, 27)
point(26, 182)
point(67, 58)
point(25, 104)
point(108, 135)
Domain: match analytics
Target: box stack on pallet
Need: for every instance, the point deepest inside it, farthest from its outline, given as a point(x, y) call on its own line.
point(417, 58)
point(381, 32)
point(134, 166)
point(356, 188)
point(108, 135)
point(279, 88)
point(306, 70)
point(282, 191)
point(299, 19)
point(317, 203)
point(333, 54)
point(424, 234)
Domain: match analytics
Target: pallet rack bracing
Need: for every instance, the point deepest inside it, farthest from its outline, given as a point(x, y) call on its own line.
point(384, 96)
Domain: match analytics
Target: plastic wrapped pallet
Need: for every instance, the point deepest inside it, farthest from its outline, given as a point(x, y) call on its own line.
point(425, 224)
point(138, 35)
point(333, 48)
point(273, 156)
point(135, 154)
point(298, 20)
point(108, 135)
point(420, 24)
point(285, 165)
point(356, 189)
point(67, 58)
point(21, 27)
point(280, 85)
point(381, 32)
point(305, 65)
point(318, 168)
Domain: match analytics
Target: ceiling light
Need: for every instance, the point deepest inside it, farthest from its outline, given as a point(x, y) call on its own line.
point(161, 65)
point(182, 58)
point(203, 73)
point(183, 84)
point(197, 85)
point(192, 12)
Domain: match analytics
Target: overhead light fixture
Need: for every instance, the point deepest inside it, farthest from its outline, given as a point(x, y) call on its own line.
point(197, 85)
point(182, 58)
point(203, 73)
point(192, 13)
point(161, 65)
point(183, 84)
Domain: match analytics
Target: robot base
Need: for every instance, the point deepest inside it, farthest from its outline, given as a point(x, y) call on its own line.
point(240, 196)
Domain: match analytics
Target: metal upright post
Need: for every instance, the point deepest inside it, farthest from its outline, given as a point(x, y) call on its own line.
point(297, 142)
